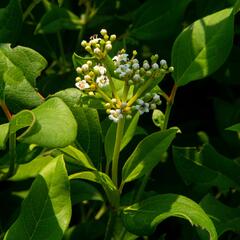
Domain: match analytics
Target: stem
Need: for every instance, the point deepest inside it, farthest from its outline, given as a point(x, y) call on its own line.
point(125, 91)
point(110, 224)
point(60, 43)
point(79, 37)
point(30, 8)
point(112, 86)
point(116, 151)
point(169, 106)
point(5, 110)
point(104, 95)
point(12, 157)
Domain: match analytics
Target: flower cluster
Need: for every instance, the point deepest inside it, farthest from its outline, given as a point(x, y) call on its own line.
point(131, 71)
point(144, 105)
point(90, 77)
point(99, 46)
point(134, 94)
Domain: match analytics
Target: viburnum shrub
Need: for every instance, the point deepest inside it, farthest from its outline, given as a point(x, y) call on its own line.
point(78, 162)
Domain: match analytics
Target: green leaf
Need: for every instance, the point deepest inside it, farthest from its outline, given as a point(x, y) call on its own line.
point(224, 218)
point(57, 19)
point(237, 7)
point(55, 125)
point(156, 209)
point(104, 180)
point(210, 158)
point(158, 118)
point(60, 2)
point(31, 169)
point(21, 120)
point(46, 211)
point(147, 154)
point(235, 127)
point(20, 66)
point(83, 191)
point(89, 133)
point(82, 159)
point(194, 54)
point(194, 172)
point(4, 129)
point(10, 22)
point(158, 19)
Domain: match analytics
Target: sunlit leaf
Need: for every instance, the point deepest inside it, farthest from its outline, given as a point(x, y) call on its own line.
point(46, 211)
point(147, 154)
point(194, 54)
point(142, 218)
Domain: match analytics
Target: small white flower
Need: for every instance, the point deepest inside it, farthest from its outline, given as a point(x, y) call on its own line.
point(97, 51)
point(120, 58)
point(108, 47)
point(156, 97)
point(142, 107)
point(115, 115)
point(82, 85)
point(102, 81)
point(85, 67)
point(135, 66)
point(100, 69)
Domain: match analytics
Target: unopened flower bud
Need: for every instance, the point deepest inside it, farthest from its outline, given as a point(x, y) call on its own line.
point(97, 51)
point(85, 67)
point(113, 37)
point(87, 78)
point(171, 69)
point(155, 66)
point(103, 32)
point(108, 47)
point(79, 70)
point(84, 43)
point(163, 62)
point(78, 79)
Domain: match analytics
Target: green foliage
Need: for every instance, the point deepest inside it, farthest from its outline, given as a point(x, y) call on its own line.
point(10, 22)
point(20, 66)
point(147, 154)
point(57, 19)
point(224, 218)
point(193, 46)
point(45, 129)
point(86, 126)
point(210, 169)
point(47, 208)
point(156, 209)
point(104, 180)
point(4, 128)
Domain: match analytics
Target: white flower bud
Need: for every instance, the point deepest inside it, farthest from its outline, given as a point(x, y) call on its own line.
point(103, 32)
point(97, 51)
point(108, 47)
point(79, 70)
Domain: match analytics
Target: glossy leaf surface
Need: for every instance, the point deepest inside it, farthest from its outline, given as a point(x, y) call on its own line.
point(156, 209)
point(195, 54)
point(46, 211)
